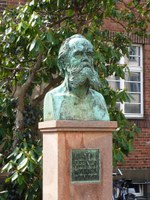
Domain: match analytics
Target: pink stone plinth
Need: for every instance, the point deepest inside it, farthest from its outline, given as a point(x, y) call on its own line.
point(59, 138)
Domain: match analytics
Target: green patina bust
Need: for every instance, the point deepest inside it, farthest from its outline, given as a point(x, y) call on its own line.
point(75, 99)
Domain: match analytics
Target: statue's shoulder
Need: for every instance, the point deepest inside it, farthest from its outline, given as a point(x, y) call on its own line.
point(52, 103)
point(98, 98)
point(100, 102)
point(96, 95)
point(56, 91)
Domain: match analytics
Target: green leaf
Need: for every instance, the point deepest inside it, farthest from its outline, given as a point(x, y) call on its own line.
point(22, 164)
point(8, 31)
point(19, 155)
point(50, 37)
point(31, 167)
point(7, 167)
point(7, 180)
point(20, 179)
point(33, 44)
point(14, 176)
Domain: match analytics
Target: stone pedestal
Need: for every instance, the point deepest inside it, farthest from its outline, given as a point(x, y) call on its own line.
point(60, 138)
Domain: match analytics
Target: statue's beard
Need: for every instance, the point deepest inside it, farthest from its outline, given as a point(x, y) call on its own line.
point(83, 74)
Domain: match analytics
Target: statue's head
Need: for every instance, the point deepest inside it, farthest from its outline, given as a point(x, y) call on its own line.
point(75, 61)
point(74, 51)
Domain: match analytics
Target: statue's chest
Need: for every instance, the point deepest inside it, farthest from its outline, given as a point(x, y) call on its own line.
point(79, 109)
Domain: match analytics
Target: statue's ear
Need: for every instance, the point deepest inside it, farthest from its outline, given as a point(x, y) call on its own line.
point(62, 66)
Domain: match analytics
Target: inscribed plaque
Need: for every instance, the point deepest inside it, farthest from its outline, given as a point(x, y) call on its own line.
point(85, 165)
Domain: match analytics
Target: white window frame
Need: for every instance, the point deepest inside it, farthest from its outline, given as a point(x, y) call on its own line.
point(141, 190)
point(122, 84)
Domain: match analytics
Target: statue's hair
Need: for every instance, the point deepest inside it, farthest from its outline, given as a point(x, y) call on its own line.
point(63, 53)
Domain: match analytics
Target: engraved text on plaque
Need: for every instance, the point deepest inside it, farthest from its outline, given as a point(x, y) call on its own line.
point(85, 165)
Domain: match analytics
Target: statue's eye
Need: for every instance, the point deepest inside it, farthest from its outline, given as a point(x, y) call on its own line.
point(78, 53)
point(89, 53)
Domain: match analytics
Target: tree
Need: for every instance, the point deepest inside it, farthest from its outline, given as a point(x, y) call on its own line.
point(30, 37)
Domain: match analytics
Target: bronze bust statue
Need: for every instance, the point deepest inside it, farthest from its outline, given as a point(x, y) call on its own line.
point(75, 99)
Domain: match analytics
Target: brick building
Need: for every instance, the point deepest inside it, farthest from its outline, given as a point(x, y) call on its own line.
point(5, 3)
point(137, 165)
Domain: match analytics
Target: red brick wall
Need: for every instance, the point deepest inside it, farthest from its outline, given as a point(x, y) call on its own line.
point(140, 157)
point(147, 81)
point(5, 3)
point(15, 2)
point(112, 26)
point(2, 4)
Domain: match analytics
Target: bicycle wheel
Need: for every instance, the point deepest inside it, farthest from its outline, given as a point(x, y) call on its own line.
point(116, 192)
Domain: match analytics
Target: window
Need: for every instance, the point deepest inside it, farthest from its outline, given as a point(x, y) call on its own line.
point(137, 189)
point(133, 83)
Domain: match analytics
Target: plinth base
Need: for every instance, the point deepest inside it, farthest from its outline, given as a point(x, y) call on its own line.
point(60, 139)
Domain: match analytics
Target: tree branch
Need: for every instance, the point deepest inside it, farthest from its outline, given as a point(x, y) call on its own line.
point(53, 83)
point(20, 94)
point(30, 79)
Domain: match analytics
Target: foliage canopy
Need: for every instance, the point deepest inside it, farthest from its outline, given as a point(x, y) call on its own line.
point(30, 37)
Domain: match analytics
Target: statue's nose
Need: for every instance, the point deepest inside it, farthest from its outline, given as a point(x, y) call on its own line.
point(85, 57)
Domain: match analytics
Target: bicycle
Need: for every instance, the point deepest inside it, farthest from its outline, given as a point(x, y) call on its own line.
point(121, 188)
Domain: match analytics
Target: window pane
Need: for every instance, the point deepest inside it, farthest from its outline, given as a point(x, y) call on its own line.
point(132, 87)
point(134, 58)
point(118, 105)
point(134, 62)
point(132, 108)
point(114, 85)
point(114, 82)
point(132, 76)
point(132, 51)
point(135, 98)
point(113, 78)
